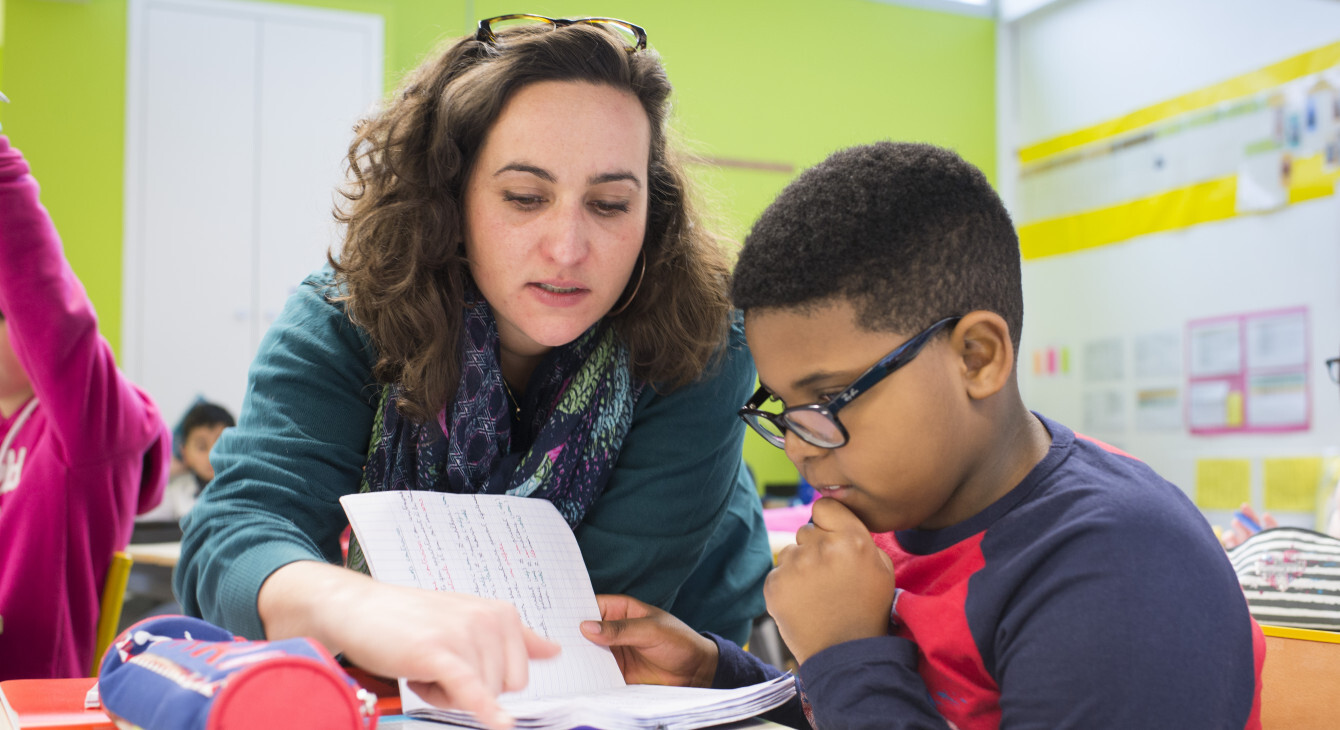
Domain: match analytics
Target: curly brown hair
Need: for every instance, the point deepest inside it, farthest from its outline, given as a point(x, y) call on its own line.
point(402, 266)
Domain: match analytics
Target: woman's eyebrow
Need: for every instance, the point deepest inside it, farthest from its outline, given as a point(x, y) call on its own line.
point(614, 177)
point(539, 172)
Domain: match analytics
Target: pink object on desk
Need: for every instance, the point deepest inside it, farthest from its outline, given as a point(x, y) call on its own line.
point(787, 519)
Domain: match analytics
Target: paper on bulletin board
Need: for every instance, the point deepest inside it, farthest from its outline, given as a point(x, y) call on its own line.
point(1216, 348)
point(1277, 341)
point(1158, 355)
point(1104, 411)
point(1277, 400)
point(1158, 409)
point(1208, 404)
point(1104, 360)
point(1263, 181)
point(1223, 483)
point(1291, 483)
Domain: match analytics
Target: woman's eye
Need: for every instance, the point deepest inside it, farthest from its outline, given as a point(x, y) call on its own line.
point(609, 208)
point(522, 201)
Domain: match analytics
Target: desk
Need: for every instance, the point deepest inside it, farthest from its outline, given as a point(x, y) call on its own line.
point(1301, 678)
point(165, 554)
point(401, 722)
point(58, 704)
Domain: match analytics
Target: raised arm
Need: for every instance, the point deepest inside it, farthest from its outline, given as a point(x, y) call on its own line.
point(96, 412)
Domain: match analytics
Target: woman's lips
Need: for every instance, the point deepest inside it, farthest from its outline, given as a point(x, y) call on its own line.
point(558, 294)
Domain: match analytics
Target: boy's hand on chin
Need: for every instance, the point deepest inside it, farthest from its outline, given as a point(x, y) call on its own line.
point(833, 585)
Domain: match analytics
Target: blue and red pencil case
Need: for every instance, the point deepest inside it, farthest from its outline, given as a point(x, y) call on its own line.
point(180, 673)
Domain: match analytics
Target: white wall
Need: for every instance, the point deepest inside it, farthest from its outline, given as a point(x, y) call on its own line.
point(1078, 63)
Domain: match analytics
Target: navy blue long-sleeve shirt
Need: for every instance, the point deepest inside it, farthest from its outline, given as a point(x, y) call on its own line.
point(1092, 595)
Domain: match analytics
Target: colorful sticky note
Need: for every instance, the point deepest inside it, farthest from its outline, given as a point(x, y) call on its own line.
point(1291, 484)
point(1233, 406)
point(1065, 359)
point(1037, 362)
point(1051, 360)
point(1223, 483)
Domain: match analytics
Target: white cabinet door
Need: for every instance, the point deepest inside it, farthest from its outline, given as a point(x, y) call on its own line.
point(238, 118)
point(308, 72)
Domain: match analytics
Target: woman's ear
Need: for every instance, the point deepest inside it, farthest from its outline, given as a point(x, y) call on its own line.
point(982, 340)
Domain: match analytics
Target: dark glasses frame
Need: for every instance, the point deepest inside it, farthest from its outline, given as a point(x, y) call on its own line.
point(1333, 369)
point(485, 32)
point(785, 421)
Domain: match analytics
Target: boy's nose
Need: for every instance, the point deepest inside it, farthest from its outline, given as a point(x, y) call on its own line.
point(799, 450)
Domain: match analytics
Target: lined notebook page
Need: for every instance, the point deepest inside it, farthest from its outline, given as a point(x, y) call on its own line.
point(510, 548)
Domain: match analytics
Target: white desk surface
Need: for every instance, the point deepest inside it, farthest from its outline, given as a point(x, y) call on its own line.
point(155, 553)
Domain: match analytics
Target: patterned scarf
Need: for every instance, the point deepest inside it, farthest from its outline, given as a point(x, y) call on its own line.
point(578, 406)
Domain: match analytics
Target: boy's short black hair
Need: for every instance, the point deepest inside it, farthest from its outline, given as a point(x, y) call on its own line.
point(206, 414)
point(908, 233)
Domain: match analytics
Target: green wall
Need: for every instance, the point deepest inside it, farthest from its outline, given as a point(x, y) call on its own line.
point(784, 82)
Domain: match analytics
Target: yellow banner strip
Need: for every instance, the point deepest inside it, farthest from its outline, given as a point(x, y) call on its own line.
point(1200, 203)
point(1203, 202)
point(1247, 84)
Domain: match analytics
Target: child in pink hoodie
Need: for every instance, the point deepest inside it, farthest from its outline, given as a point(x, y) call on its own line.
point(83, 449)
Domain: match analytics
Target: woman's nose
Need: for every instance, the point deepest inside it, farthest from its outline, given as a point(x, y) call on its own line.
point(566, 239)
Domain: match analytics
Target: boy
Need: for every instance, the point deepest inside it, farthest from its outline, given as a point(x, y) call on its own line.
point(1019, 574)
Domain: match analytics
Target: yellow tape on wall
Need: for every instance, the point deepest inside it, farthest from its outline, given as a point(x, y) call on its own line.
point(1181, 207)
point(1200, 203)
point(1203, 202)
point(1247, 84)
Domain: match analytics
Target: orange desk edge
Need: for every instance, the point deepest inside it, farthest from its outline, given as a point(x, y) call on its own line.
point(1301, 678)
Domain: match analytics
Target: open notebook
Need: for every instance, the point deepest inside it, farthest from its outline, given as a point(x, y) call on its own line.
point(522, 551)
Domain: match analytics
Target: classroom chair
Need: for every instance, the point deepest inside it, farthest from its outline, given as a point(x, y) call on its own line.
point(1301, 678)
point(109, 614)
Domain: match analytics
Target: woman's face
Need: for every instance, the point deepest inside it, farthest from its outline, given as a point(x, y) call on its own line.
point(556, 209)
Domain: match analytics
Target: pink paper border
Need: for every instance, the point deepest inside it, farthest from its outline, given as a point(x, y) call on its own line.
point(1238, 381)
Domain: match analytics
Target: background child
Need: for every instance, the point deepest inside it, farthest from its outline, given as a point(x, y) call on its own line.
point(83, 449)
point(1026, 575)
point(191, 470)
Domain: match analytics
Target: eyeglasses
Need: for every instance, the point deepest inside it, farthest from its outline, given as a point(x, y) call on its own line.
point(1333, 367)
point(634, 37)
point(817, 423)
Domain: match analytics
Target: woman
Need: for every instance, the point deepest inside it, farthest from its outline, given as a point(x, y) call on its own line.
point(524, 304)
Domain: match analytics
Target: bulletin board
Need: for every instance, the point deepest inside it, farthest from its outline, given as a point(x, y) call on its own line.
point(1247, 373)
point(1182, 260)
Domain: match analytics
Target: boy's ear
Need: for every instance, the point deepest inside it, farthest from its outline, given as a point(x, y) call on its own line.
point(982, 340)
